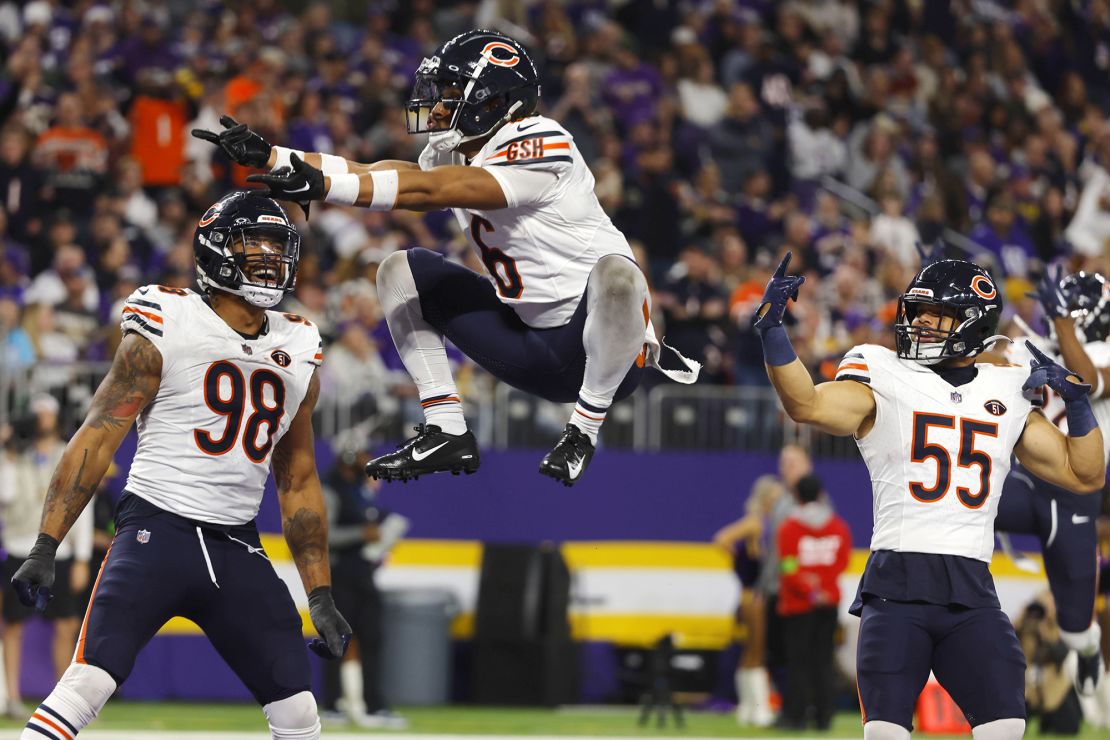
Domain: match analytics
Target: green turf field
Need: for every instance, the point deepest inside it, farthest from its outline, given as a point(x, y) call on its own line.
point(151, 718)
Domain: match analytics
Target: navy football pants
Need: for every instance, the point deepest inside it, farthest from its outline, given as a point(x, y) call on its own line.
point(156, 569)
point(464, 307)
point(974, 654)
point(1064, 522)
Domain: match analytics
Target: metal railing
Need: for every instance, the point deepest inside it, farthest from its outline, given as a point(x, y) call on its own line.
point(665, 417)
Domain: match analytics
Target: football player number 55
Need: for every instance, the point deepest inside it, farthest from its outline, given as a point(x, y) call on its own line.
point(968, 456)
point(230, 403)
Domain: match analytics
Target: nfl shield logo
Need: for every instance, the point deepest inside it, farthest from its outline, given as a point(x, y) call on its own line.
point(144, 536)
point(247, 349)
point(956, 397)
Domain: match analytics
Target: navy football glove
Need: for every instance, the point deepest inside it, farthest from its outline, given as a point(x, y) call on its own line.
point(1045, 371)
point(301, 183)
point(781, 288)
point(35, 578)
point(240, 144)
point(1050, 293)
point(333, 629)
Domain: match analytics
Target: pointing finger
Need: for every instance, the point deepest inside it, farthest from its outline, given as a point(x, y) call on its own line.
point(206, 135)
point(781, 270)
point(228, 122)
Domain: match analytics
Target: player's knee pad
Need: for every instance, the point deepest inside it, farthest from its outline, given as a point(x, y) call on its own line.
point(84, 689)
point(1001, 729)
point(293, 718)
point(395, 274)
point(879, 730)
point(618, 279)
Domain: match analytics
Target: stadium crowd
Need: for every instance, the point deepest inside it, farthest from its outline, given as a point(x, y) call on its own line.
point(721, 133)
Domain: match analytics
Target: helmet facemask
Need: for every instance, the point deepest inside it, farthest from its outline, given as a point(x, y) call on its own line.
point(932, 345)
point(259, 262)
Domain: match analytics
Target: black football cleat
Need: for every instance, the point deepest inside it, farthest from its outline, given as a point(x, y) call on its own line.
point(1088, 673)
point(430, 451)
point(571, 456)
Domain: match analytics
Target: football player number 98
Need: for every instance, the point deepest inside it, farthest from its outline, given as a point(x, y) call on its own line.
point(233, 406)
point(923, 449)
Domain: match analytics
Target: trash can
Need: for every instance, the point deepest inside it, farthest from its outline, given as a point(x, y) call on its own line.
point(416, 646)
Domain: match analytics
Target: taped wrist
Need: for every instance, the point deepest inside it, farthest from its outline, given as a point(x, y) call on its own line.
point(332, 165)
point(281, 158)
point(343, 189)
point(1081, 417)
point(45, 548)
point(386, 186)
point(777, 350)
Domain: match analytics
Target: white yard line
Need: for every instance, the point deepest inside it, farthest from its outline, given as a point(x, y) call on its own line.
point(163, 735)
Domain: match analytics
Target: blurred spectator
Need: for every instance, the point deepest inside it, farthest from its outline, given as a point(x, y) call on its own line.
point(814, 545)
point(892, 232)
point(158, 118)
point(694, 307)
point(1049, 690)
point(745, 540)
point(55, 285)
point(73, 156)
point(794, 464)
point(1004, 236)
point(360, 534)
point(26, 467)
point(742, 141)
point(20, 184)
point(16, 351)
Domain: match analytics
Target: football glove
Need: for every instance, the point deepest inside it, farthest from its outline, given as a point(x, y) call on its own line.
point(333, 629)
point(1045, 371)
point(1050, 293)
point(35, 578)
point(301, 183)
point(781, 288)
point(240, 144)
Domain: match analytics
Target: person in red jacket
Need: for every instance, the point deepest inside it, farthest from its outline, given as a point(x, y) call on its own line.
point(814, 546)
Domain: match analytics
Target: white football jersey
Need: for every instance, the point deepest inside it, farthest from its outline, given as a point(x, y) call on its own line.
point(539, 254)
point(937, 454)
point(1099, 352)
point(223, 403)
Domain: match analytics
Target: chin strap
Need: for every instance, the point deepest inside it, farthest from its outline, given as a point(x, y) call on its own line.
point(449, 141)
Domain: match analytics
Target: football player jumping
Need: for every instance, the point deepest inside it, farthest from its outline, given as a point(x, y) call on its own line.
point(1077, 309)
point(221, 389)
point(937, 431)
point(564, 311)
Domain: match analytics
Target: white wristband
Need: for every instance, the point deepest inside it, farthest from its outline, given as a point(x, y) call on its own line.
point(343, 190)
point(385, 190)
point(332, 165)
point(282, 158)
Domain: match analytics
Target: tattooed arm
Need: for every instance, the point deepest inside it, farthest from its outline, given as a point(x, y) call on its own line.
point(130, 385)
point(303, 516)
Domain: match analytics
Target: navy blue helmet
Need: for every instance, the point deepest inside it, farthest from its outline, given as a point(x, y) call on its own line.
point(957, 288)
point(484, 78)
point(246, 245)
point(1089, 300)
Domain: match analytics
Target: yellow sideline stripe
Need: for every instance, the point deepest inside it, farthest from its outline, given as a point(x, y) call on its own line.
point(694, 630)
point(607, 554)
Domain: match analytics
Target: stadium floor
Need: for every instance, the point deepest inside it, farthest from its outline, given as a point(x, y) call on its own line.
point(190, 721)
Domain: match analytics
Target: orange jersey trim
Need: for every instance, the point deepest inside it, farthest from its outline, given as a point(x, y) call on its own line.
point(151, 316)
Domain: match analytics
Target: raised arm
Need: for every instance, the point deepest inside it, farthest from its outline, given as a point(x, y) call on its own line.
point(841, 407)
point(304, 522)
point(131, 384)
point(1056, 304)
point(1075, 461)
